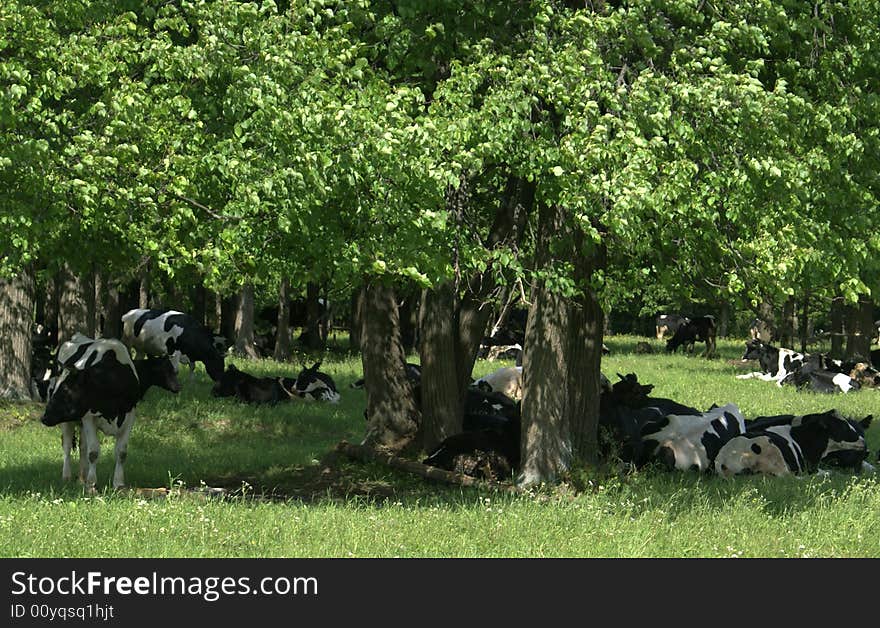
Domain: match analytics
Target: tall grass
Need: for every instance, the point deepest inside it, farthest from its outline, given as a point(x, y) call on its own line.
point(190, 438)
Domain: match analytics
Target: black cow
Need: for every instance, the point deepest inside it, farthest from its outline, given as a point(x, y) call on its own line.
point(700, 329)
point(98, 388)
point(313, 385)
point(786, 444)
point(668, 324)
point(252, 389)
point(168, 332)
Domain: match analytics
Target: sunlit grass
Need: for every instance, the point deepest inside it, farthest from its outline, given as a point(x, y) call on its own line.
point(190, 438)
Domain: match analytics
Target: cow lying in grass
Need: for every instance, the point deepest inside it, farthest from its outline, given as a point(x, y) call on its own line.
point(814, 372)
point(252, 389)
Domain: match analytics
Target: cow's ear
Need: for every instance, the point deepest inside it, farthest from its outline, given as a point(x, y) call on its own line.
point(866, 422)
point(315, 367)
point(621, 376)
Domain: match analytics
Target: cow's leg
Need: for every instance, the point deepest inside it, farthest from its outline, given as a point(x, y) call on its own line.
point(122, 450)
point(67, 438)
point(92, 446)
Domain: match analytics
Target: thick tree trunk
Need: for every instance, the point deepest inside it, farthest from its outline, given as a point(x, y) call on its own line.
point(724, 319)
point(440, 387)
point(47, 303)
point(787, 328)
point(838, 311)
point(282, 333)
point(310, 338)
point(16, 320)
point(244, 323)
point(355, 322)
point(112, 312)
point(392, 418)
point(409, 318)
point(228, 308)
point(860, 329)
point(547, 450)
point(73, 307)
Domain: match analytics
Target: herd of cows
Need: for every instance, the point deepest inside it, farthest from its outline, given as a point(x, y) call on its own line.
point(96, 384)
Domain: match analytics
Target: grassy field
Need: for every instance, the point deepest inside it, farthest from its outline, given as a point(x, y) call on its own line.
point(286, 498)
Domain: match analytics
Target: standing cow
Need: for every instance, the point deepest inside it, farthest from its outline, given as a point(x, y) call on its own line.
point(168, 332)
point(668, 324)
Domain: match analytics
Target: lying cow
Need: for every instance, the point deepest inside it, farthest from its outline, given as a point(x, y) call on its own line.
point(790, 445)
point(668, 324)
point(624, 410)
point(251, 389)
point(313, 385)
point(700, 329)
point(168, 332)
point(776, 364)
point(692, 442)
point(506, 380)
point(810, 375)
point(98, 388)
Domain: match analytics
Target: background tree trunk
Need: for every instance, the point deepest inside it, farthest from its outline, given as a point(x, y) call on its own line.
point(355, 320)
point(73, 307)
point(724, 319)
point(392, 418)
point(16, 321)
point(244, 323)
point(860, 329)
point(200, 304)
point(282, 334)
point(441, 396)
point(804, 322)
point(787, 327)
point(112, 312)
point(226, 323)
point(838, 311)
point(144, 287)
point(310, 338)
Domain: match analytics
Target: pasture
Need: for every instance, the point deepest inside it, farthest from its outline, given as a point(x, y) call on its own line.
point(287, 498)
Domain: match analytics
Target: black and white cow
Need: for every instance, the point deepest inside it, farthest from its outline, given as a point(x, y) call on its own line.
point(313, 385)
point(173, 333)
point(699, 329)
point(776, 364)
point(506, 380)
point(812, 376)
point(691, 442)
point(624, 410)
point(98, 388)
point(668, 324)
point(790, 445)
point(252, 389)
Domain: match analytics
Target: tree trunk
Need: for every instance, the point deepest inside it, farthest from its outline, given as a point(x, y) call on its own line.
point(112, 312)
point(144, 287)
point(724, 319)
point(546, 442)
point(73, 307)
point(392, 418)
point(310, 338)
point(228, 308)
point(244, 323)
point(355, 322)
point(46, 296)
point(442, 406)
point(786, 333)
point(16, 320)
point(410, 318)
point(860, 329)
point(200, 304)
point(282, 333)
point(804, 322)
point(838, 311)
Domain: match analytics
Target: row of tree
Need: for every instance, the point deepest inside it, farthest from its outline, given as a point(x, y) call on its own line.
point(582, 154)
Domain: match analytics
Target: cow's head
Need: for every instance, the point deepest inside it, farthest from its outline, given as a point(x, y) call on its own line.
point(754, 350)
point(214, 366)
point(751, 453)
point(68, 399)
point(159, 372)
point(628, 391)
point(227, 383)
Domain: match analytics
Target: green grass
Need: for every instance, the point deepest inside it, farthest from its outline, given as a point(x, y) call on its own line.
point(338, 508)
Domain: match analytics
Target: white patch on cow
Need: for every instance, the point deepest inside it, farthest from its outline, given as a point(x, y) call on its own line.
point(738, 455)
point(843, 381)
point(318, 391)
point(93, 355)
point(506, 380)
point(683, 435)
point(152, 339)
point(90, 447)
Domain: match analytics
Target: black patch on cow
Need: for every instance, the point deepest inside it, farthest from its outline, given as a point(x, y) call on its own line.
point(720, 431)
point(195, 341)
point(793, 457)
point(756, 448)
